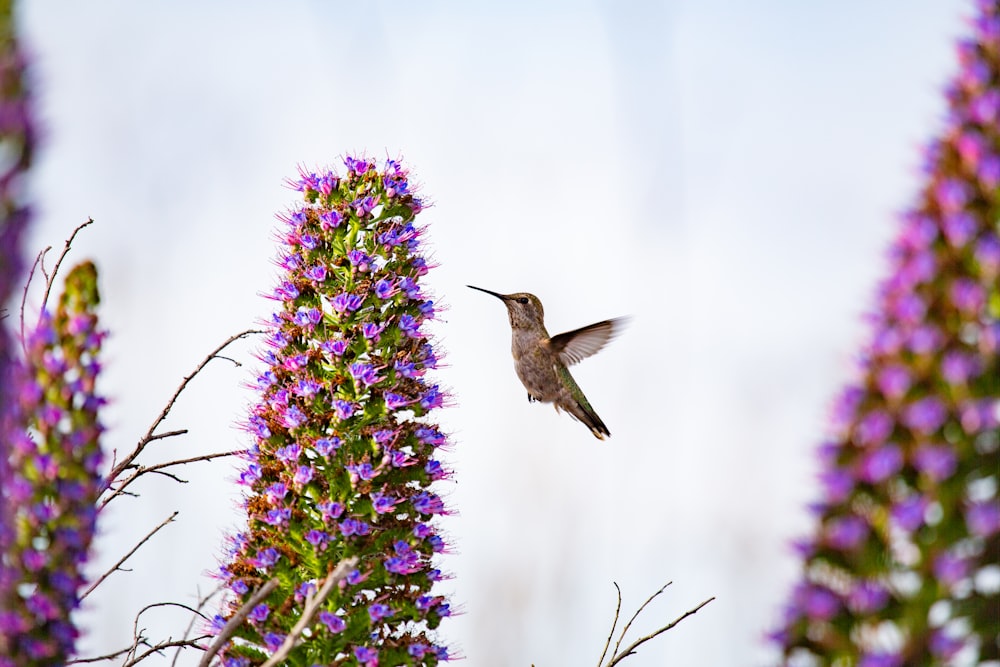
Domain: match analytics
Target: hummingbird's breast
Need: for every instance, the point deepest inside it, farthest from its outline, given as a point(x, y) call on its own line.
point(534, 364)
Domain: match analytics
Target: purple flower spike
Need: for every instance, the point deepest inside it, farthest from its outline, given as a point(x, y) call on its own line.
point(335, 468)
point(907, 522)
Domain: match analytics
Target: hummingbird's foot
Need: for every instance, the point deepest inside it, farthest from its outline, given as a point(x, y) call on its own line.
point(532, 399)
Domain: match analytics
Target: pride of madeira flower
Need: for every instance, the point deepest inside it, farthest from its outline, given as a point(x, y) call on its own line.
point(344, 455)
point(903, 568)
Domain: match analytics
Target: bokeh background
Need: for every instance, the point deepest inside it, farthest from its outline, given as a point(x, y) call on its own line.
point(726, 172)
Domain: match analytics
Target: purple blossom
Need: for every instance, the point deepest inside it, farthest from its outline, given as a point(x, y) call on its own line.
point(936, 461)
point(968, 296)
point(894, 381)
point(846, 533)
point(267, 557)
point(365, 374)
point(289, 454)
point(983, 518)
point(383, 503)
point(359, 259)
point(379, 611)
point(867, 596)
point(409, 325)
point(882, 463)
point(909, 513)
point(874, 428)
point(330, 510)
point(925, 415)
point(346, 303)
point(278, 517)
point(333, 623)
point(428, 503)
point(366, 656)
point(371, 330)
point(432, 399)
point(343, 409)
point(327, 446)
point(395, 401)
point(303, 475)
point(949, 568)
point(384, 289)
point(330, 219)
point(273, 641)
point(334, 348)
point(260, 613)
point(958, 367)
point(316, 537)
point(293, 417)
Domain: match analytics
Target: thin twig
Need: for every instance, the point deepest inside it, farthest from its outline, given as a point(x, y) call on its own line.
point(630, 649)
point(635, 615)
point(614, 624)
point(202, 601)
point(310, 609)
point(55, 270)
point(183, 643)
point(24, 295)
point(158, 468)
point(236, 621)
point(124, 558)
point(150, 435)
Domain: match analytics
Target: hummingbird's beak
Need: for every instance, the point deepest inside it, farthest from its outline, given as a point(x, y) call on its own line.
point(499, 296)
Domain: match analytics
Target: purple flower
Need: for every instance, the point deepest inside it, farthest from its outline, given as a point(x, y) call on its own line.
point(409, 325)
point(346, 303)
point(303, 475)
point(949, 568)
point(379, 611)
point(343, 409)
point(276, 492)
point(909, 513)
point(959, 228)
point(327, 446)
point(434, 470)
point(878, 659)
point(894, 381)
point(365, 374)
point(330, 510)
point(330, 219)
point(874, 428)
point(882, 463)
point(395, 401)
point(837, 484)
point(366, 656)
point(384, 289)
point(278, 517)
point(383, 503)
point(819, 603)
point(363, 471)
point(936, 461)
point(957, 367)
point(316, 537)
point(371, 330)
point(432, 399)
point(430, 436)
point(333, 623)
point(267, 557)
point(273, 641)
point(846, 533)
point(334, 348)
point(867, 596)
point(968, 296)
point(260, 613)
point(289, 454)
point(293, 417)
point(983, 518)
point(360, 260)
point(428, 503)
point(925, 415)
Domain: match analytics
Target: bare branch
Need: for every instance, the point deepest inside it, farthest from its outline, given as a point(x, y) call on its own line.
point(182, 643)
point(55, 270)
point(236, 621)
point(151, 435)
point(635, 615)
point(24, 294)
point(631, 648)
point(139, 471)
point(202, 601)
point(124, 558)
point(312, 606)
point(614, 624)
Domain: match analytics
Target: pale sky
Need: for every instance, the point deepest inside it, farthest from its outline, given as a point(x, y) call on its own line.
point(727, 173)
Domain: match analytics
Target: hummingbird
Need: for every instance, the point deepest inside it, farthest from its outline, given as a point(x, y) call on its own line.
point(541, 360)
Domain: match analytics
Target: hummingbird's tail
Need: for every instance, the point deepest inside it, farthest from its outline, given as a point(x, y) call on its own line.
point(583, 412)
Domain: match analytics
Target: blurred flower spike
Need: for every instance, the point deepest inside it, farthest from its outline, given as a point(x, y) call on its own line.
point(344, 452)
point(904, 567)
point(53, 478)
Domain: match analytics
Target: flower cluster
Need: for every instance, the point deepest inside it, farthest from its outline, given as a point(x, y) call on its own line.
point(902, 569)
point(53, 477)
point(343, 455)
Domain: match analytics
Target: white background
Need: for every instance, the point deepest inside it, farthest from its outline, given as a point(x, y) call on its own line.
point(726, 172)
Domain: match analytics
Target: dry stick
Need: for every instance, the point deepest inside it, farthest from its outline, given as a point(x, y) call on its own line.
point(309, 611)
point(182, 643)
point(124, 558)
point(138, 636)
point(24, 294)
point(614, 624)
point(55, 270)
point(202, 601)
point(630, 649)
point(638, 611)
point(142, 470)
point(236, 621)
point(126, 463)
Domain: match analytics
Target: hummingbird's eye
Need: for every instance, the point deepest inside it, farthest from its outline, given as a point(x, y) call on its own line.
point(523, 300)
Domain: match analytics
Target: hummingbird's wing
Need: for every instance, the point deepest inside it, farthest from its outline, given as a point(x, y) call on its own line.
point(576, 345)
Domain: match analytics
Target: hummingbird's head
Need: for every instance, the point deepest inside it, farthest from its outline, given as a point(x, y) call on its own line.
point(525, 310)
